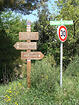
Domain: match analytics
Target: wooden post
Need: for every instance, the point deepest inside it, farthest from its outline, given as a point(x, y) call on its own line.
point(28, 60)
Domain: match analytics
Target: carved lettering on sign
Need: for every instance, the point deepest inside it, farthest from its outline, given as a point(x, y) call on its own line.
point(32, 55)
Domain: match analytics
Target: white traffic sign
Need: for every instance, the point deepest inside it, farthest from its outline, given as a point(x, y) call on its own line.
point(62, 33)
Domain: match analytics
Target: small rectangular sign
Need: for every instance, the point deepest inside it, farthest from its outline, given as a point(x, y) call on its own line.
point(63, 22)
point(32, 55)
point(25, 45)
point(28, 36)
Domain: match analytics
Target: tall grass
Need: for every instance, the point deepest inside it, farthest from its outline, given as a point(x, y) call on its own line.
point(45, 89)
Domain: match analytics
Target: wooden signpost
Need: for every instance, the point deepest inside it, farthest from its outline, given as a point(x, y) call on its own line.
point(28, 55)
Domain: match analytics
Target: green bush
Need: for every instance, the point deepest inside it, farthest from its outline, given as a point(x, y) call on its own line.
point(69, 94)
point(43, 75)
point(73, 68)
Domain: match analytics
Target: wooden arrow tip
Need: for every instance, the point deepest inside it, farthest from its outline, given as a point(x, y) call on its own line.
point(14, 45)
point(42, 55)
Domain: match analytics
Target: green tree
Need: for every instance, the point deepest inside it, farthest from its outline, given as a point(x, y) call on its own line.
point(10, 26)
point(23, 6)
point(48, 41)
point(69, 10)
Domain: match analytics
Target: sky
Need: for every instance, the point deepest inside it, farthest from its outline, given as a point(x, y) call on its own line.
point(33, 17)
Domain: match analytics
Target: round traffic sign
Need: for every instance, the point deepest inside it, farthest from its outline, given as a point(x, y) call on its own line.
point(62, 33)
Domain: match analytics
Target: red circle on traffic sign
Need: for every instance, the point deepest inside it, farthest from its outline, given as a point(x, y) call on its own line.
point(62, 32)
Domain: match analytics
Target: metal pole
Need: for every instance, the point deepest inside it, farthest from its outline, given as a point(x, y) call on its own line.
point(61, 63)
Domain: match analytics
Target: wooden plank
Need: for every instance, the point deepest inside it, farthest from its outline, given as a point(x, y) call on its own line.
point(32, 55)
point(28, 36)
point(25, 45)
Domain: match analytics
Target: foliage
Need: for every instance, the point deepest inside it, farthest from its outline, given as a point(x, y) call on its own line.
point(46, 76)
point(48, 41)
point(69, 11)
point(69, 95)
point(9, 30)
point(45, 89)
point(72, 69)
point(42, 85)
point(23, 6)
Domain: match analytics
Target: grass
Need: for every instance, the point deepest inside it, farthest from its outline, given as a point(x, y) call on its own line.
point(45, 89)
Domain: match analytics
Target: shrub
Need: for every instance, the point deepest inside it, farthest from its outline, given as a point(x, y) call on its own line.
point(43, 75)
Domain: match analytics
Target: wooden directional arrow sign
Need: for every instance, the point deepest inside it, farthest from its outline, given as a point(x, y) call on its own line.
point(28, 36)
point(25, 46)
point(32, 55)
